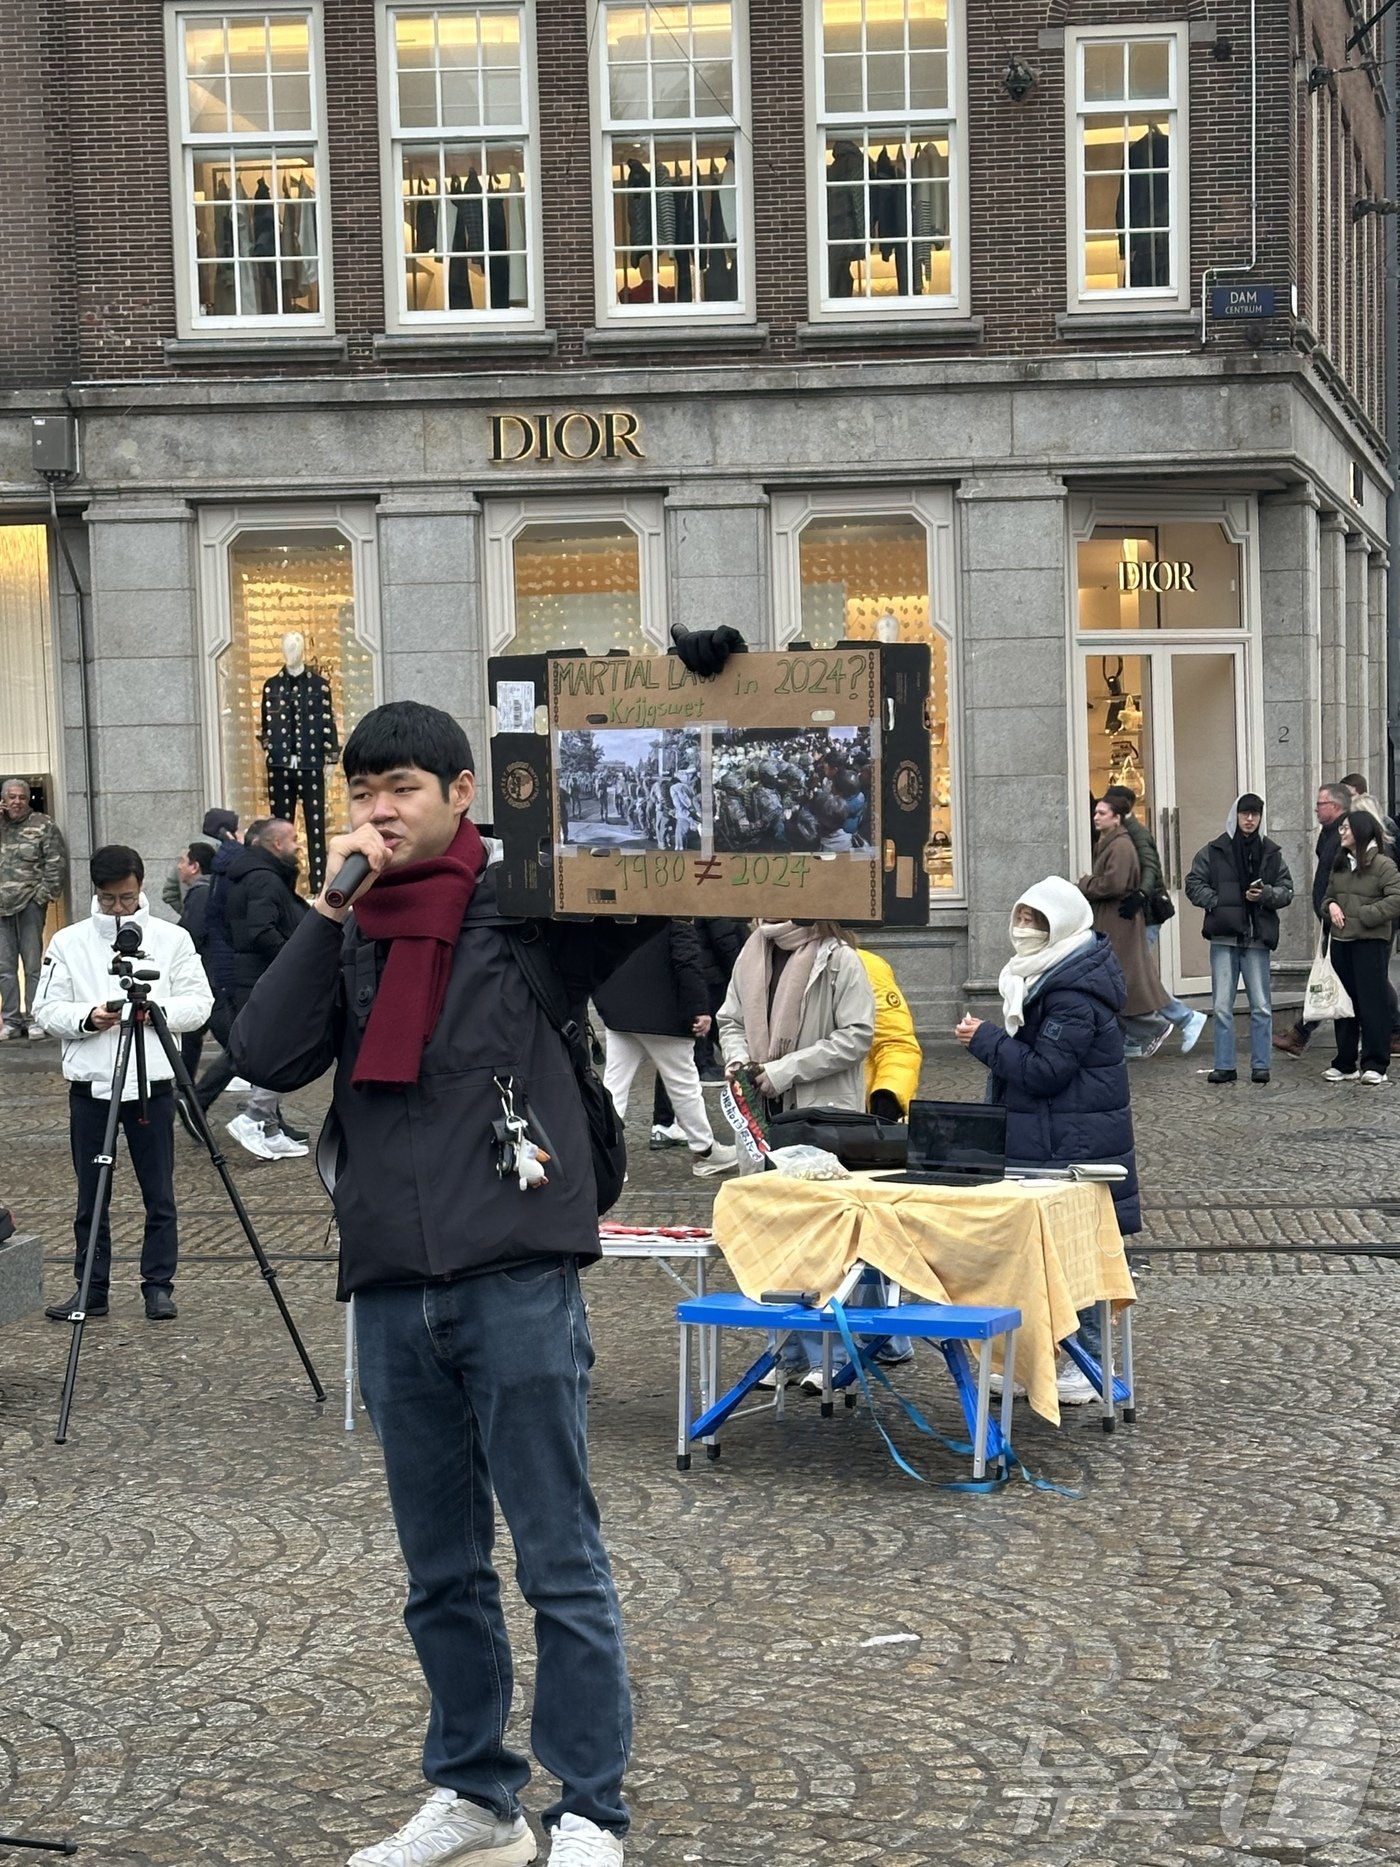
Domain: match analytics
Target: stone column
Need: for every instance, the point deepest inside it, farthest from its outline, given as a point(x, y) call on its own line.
point(1291, 623)
point(1358, 733)
point(717, 548)
point(1332, 645)
point(1377, 686)
point(1016, 756)
point(433, 635)
point(145, 715)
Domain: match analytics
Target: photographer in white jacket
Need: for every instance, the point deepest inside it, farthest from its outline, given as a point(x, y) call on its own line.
point(77, 988)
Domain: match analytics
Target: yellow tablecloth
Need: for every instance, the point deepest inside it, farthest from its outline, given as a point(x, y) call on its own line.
point(1047, 1248)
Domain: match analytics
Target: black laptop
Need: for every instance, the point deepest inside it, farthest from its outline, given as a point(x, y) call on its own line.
point(954, 1144)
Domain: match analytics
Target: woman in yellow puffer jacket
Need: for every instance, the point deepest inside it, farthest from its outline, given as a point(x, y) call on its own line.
point(895, 1059)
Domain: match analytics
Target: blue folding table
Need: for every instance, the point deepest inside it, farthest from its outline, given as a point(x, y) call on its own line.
point(950, 1327)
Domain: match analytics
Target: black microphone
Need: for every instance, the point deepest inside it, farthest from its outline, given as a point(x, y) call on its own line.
point(353, 872)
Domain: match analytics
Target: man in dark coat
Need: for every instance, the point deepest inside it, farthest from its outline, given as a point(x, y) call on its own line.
point(192, 869)
point(1242, 881)
point(1333, 802)
point(463, 1260)
point(262, 911)
point(655, 1006)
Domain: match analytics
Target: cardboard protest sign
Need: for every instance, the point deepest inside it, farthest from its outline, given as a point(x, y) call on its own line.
point(790, 785)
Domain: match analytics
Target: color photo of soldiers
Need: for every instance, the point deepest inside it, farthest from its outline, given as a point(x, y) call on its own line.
point(781, 792)
point(630, 789)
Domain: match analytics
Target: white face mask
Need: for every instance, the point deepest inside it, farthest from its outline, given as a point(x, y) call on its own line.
point(1028, 940)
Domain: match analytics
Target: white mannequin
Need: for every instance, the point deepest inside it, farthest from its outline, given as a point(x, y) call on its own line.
point(887, 627)
point(294, 652)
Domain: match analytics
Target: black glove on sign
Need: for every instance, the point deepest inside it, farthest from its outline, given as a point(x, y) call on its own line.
point(705, 651)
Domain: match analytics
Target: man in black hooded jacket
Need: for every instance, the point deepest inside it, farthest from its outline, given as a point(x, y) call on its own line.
point(1241, 880)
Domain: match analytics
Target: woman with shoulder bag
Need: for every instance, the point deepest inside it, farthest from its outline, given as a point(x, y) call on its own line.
point(1115, 878)
point(1360, 909)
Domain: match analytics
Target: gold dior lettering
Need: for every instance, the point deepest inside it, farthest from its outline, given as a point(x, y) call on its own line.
point(574, 436)
point(1156, 576)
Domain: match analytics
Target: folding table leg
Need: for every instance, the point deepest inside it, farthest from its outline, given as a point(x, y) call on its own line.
point(984, 1395)
point(1130, 1404)
point(828, 1400)
point(683, 1426)
point(1008, 1390)
point(712, 1447)
point(1110, 1414)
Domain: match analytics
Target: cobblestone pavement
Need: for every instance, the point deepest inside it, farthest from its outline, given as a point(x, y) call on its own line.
point(1190, 1662)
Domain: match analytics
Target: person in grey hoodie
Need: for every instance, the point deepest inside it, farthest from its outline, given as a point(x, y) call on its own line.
point(1241, 880)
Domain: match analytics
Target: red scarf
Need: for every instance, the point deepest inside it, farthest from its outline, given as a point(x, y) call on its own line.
point(419, 909)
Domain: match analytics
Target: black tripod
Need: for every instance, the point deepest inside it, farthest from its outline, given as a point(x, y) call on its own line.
point(137, 1011)
point(49, 1847)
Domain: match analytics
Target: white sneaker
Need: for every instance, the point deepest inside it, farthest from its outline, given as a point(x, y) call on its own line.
point(249, 1134)
point(449, 1828)
point(237, 1087)
point(1339, 1076)
point(1074, 1388)
point(1375, 1079)
point(281, 1146)
point(715, 1159)
point(998, 1388)
point(581, 1843)
point(6, 1033)
point(1191, 1030)
point(661, 1136)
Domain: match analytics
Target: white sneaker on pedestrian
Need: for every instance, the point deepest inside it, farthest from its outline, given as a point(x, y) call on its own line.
point(237, 1087)
point(249, 1134)
point(1191, 1030)
point(449, 1828)
point(1340, 1076)
point(1375, 1079)
point(581, 1843)
point(715, 1159)
point(282, 1146)
point(6, 1033)
point(1074, 1388)
point(663, 1136)
point(999, 1388)
point(35, 1035)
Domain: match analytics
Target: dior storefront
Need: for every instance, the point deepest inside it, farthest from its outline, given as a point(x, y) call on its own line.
point(1130, 570)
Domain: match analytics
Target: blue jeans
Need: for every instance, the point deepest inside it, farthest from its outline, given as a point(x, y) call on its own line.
point(1173, 1011)
point(1228, 965)
point(477, 1384)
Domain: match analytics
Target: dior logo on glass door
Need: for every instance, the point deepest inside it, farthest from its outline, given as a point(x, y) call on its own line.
point(294, 679)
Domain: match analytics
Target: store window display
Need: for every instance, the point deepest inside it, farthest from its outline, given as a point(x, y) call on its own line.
point(578, 584)
point(867, 579)
point(294, 679)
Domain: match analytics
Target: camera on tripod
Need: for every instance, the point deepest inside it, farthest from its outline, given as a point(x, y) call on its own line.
point(136, 985)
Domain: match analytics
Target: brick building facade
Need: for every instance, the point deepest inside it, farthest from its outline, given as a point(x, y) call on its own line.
point(902, 300)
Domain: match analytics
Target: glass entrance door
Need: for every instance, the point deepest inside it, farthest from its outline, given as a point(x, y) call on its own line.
point(1167, 722)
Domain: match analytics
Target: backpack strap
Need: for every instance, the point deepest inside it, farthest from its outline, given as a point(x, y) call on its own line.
point(542, 976)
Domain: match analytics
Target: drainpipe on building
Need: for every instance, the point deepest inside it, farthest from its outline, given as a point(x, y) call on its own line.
point(84, 668)
point(1215, 272)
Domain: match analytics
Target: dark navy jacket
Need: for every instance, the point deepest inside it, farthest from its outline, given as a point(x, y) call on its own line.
point(1062, 1075)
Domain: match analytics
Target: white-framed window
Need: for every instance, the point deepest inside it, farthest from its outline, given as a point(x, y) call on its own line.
point(250, 168)
point(673, 189)
point(586, 572)
point(886, 81)
point(1128, 194)
point(461, 181)
point(877, 565)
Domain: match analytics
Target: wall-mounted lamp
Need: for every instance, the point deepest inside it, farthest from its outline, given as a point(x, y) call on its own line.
point(1019, 80)
point(1360, 209)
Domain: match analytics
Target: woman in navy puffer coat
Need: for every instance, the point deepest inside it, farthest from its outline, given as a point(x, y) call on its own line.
point(1058, 1065)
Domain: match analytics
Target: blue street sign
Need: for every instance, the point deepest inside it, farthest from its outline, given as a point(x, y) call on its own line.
point(1243, 301)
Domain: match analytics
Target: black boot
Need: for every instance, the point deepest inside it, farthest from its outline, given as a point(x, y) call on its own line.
point(1221, 1076)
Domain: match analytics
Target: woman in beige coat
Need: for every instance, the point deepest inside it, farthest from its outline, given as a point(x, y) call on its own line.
point(801, 1013)
point(800, 1008)
point(1115, 876)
